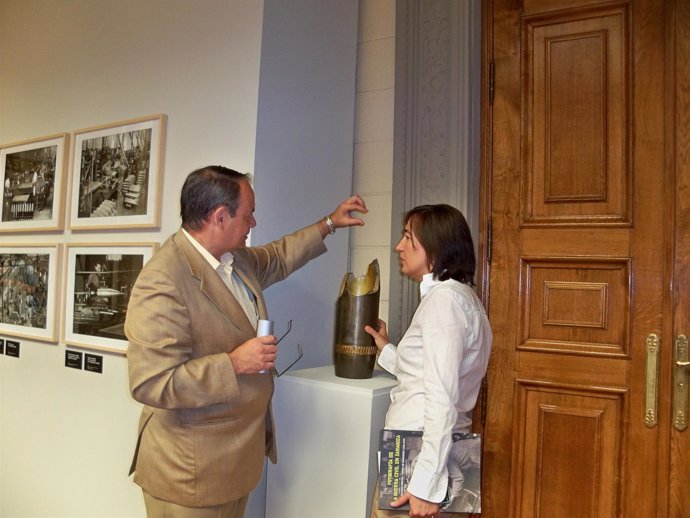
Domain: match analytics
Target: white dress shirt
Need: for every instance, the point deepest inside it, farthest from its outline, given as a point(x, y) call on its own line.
point(224, 268)
point(439, 364)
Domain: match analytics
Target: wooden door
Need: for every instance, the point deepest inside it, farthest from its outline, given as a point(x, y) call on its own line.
point(678, 129)
point(582, 159)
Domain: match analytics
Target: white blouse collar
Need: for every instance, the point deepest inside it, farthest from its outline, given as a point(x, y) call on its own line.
point(427, 283)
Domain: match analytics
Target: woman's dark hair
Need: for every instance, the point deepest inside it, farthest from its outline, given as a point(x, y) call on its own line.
point(207, 188)
point(443, 232)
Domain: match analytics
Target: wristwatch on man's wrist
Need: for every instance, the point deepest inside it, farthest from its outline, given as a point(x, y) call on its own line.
point(330, 225)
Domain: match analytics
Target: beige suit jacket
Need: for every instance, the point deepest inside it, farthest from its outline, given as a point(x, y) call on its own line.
point(204, 430)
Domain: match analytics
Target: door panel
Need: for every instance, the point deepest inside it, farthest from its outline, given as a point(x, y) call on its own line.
point(550, 414)
point(575, 89)
point(574, 305)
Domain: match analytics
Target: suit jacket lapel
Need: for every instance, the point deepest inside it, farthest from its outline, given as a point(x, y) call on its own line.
point(213, 286)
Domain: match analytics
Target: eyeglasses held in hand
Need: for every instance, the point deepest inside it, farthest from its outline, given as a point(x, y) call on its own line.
point(299, 349)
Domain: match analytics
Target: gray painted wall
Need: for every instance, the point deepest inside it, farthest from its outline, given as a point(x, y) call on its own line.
point(304, 156)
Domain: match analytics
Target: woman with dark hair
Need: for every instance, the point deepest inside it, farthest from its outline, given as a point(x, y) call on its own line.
point(443, 356)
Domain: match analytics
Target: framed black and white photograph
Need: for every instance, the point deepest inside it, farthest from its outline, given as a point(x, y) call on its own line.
point(116, 175)
point(29, 291)
point(98, 285)
point(33, 173)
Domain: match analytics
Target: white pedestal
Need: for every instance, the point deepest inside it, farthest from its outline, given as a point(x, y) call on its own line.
point(328, 432)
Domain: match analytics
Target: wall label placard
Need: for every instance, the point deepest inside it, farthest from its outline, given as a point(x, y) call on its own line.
point(93, 363)
point(12, 348)
point(2, 346)
point(73, 359)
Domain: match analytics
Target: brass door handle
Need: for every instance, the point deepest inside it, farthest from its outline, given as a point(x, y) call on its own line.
point(680, 383)
point(651, 377)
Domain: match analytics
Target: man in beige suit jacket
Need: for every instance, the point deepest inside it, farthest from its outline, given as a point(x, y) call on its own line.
point(194, 359)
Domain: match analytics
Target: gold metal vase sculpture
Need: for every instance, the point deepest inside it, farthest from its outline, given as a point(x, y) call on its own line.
point(354, 350)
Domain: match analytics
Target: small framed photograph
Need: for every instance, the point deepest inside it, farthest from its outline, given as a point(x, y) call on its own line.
point(116, 175)
point(98, 285)
point(29, 291)
point(33, 173)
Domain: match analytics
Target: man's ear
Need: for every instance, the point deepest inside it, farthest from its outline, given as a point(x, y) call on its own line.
point(218, 215)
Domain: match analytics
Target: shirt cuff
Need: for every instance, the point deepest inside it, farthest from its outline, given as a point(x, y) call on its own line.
point(428, 485)
point(387, 358)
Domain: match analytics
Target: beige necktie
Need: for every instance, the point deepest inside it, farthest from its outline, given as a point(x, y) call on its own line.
point(239, 291)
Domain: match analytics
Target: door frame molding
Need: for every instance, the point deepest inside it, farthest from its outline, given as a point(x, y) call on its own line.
point(436, 151)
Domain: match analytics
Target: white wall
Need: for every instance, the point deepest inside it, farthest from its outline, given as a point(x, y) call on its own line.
point(67, 436)
point(373, 142)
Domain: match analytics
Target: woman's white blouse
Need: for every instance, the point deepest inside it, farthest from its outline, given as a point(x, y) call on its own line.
point(439, 364)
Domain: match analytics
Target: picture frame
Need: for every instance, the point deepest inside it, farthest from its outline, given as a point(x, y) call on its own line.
point(98, 284)
point(29, 291)
point(32, 175)
point(116, 175)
